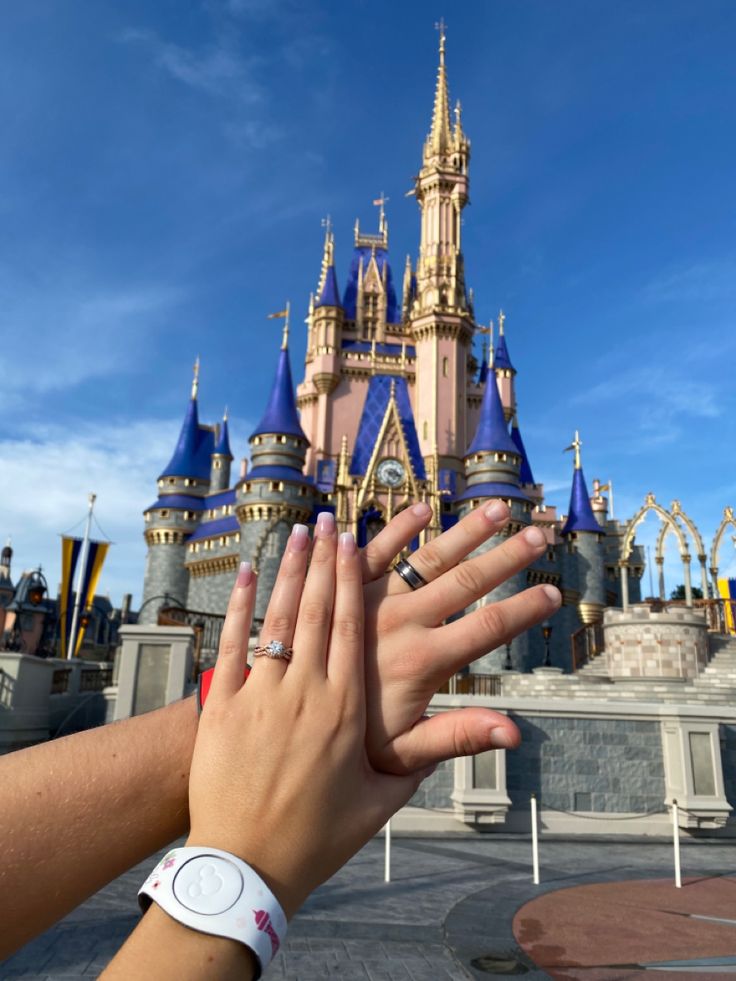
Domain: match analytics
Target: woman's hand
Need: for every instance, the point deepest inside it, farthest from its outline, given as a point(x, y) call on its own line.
point(280, 774)
point(411, 652)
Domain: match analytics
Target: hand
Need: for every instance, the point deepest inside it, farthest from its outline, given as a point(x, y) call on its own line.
point(410, 653)
point(280, 774)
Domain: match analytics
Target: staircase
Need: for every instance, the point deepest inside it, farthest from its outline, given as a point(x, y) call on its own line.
point(716, 684)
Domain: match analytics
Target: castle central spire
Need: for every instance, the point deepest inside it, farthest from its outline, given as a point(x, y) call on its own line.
point(440, 135)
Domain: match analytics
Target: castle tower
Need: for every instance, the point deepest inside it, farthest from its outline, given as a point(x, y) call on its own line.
point(492, 470)
point(323, 356)
point(584, 535)
point(440, 319)
point(221, 460)
point(182, 485)
point(275, 493)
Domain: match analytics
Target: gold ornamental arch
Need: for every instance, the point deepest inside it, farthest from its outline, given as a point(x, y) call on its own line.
point(676, 511)
point(728, 519)
point(650, 504)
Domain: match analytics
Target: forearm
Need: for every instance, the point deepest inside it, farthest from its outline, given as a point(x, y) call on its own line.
point(161, 948)
point(77, 812)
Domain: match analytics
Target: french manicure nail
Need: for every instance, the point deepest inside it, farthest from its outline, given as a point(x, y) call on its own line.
point(325, 523)
point(245, 574)
point(553, 593)
point(496, 511)
point(422, 510)
point(299, 538)
point(347, 543)
point(535, 536)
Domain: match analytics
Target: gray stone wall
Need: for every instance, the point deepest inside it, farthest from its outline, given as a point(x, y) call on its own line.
point(728, 758)
point(210, 594)
point(607, 765)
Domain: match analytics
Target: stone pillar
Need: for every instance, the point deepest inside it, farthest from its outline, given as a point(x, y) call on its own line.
point(154, 668)
point(624, 585)
point(688, 584)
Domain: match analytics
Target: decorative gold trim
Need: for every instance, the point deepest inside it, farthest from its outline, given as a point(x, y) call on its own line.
point(213, 566)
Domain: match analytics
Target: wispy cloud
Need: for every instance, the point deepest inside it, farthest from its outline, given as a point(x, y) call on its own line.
point(218, 70)
point(704, 281)
point(86, 330)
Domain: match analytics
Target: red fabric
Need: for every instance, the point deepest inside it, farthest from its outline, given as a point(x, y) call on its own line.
point(205, 680)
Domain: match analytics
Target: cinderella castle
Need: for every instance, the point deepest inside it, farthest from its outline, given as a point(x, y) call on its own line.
point(393, 408)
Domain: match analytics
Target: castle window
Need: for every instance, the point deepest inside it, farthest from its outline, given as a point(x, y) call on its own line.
point(256, 440)
point(272, 547)
point(303, 491)
point(425, 430)
point(217, 464)
point(276, 485)
point(282, 439)
point(223, 540)
point(186, 481)
point(160, 483)
point(172, 480)
point(163, 514)
point(445, 367)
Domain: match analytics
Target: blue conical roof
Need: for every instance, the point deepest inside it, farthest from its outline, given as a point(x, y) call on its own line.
point(330, 294)
point(222, 447)
point(491, 435)
point(525, 474)
point(483, 371)
point(281, 416)
point(580, 516)
point(501, 357)
point(194, 447)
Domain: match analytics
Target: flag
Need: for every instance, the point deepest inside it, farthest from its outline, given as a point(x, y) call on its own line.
point(275, 316)
point(70, 551)
point(603, 487)
point(727, 592)
point(570, 447)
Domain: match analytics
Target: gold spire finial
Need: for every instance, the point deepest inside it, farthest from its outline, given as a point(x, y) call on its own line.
point(501, 319)
point(328, 253)
point(575, 445)
point(440, 135)
point(195, 380)
point(225, 415)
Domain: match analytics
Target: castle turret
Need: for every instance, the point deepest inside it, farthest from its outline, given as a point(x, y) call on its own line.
point(275, 493)
point(525, 473)
point(505, 371)
point(182, 485)
point(221, 459)
point(492, 470)
point(7, 589)
point(584, 536)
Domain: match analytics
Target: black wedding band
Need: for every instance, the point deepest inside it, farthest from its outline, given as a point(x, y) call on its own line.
point(409, 574)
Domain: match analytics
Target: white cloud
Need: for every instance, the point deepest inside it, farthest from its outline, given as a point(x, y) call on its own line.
point(85, 331)
point(704, 281)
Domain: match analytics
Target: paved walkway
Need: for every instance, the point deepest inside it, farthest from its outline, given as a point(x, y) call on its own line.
point(450, 906)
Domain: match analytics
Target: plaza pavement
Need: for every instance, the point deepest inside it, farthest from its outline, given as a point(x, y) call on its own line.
point(451, 900)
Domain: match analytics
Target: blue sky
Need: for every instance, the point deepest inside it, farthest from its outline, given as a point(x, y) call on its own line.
point(164, 167)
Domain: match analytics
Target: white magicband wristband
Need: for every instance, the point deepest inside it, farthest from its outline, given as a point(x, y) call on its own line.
point(214, 892)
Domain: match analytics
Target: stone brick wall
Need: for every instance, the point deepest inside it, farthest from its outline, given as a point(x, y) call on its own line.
point(436, 790)
point(608, 765)
point(209, 594)
point(641, 643)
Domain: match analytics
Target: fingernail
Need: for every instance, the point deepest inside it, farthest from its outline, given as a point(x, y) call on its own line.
point(422, 510)
point(299, 538)
point(535, 536)
point(501, 738)
point(554, 594)
point(245, 574)
point(325, 523)
point(347, 543)
point(496, 511)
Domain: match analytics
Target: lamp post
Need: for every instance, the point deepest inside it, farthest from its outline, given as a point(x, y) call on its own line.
point(508, 666)
point(547, 633)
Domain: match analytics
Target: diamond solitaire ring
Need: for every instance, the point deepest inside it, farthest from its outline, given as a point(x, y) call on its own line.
point(274, 649)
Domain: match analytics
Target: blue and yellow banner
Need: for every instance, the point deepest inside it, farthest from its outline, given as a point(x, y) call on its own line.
point(70, 551)
point(727, 591)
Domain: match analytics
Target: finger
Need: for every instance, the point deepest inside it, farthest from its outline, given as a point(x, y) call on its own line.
point(315, 609)
point(460, 732)
point(345, 663)
point(458, 643)
point(474, 578)
point(451, 547)
point(379, 553)
point(280, 620)
point(233, 651)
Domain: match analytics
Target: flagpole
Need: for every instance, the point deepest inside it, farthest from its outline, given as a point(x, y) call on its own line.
point(610, 491)
point(71, 645)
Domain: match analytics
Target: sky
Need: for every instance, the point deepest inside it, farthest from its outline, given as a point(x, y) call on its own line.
point(165, 168)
